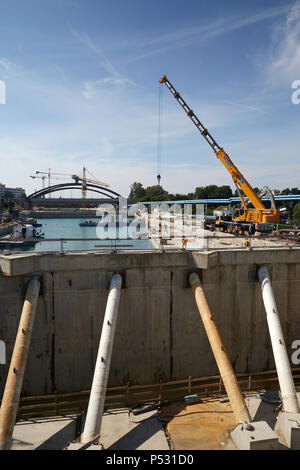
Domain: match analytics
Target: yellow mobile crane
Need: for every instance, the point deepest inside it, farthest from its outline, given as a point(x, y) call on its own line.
point(243, 217)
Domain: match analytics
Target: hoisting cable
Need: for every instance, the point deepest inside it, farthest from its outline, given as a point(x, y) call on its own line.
point(159, 132)
point(91, 174)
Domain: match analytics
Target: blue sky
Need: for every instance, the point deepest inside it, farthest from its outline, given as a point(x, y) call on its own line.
point(82, 90)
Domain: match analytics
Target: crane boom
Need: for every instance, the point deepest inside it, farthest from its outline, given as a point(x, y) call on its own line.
point(87, 180)
point(260, 214)
point(74, 177)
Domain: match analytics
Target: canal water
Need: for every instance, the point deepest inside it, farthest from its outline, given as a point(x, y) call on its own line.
point(70, 228)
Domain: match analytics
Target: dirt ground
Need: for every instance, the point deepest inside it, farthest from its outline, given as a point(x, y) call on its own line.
point(199, 426)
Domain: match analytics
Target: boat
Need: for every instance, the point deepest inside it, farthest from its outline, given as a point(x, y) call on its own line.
point(36, 224)
point(88, 223)
point(7, 243)
point(23, 235)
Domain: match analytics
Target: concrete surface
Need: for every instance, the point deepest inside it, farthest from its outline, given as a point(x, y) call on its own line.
point(222, 241)
point(265, 409)
point(208, 425)
point(288, 425)
point(44, 434)
point(118, 432)
point(143, 432)
point(205, 425)
point(159, 334)
point(260, 437)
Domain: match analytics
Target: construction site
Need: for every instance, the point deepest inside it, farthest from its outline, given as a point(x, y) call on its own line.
point(200, 383)
point(190, 344)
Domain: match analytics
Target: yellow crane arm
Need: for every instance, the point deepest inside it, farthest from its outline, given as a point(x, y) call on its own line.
point(239, 180)
point(87, 180)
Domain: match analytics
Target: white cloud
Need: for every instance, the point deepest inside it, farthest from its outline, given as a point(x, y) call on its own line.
point(113, 130)
point(285, 61)
point(246, 107)
point(92, 88)
point(6, 64)
point(120, 166)
point(185, 37)
point(115, 78)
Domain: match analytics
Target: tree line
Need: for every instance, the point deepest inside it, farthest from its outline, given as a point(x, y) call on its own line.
point(212, 191)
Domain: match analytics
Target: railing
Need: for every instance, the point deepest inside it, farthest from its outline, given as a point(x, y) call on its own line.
point(158, 243)
point(129, 395)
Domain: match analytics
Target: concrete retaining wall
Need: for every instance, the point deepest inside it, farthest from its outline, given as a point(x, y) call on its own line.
point(159, 334)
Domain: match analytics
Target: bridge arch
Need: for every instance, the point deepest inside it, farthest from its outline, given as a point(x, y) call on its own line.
point(65, 186)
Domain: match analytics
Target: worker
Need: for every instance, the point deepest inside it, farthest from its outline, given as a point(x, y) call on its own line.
point(251, 230)
point(184, 243)
point(246, 242)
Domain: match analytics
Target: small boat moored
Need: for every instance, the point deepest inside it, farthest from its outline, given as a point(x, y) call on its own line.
point(88, 223)
point(23, 235)
point(36, 224)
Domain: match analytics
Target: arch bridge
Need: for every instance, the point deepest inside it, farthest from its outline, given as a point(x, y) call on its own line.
point(38, 196)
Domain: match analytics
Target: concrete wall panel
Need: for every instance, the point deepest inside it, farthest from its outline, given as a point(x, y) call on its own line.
point(159, 333)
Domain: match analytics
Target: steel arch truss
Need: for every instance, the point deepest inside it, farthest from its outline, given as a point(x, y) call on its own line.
point(65, 186)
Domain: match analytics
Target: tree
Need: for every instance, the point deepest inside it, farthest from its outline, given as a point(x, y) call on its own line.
point(296, 212)
point(155, 193)
point(288, 191)
point(213, 192)
point(8, 195)
point(137, 191)
point(295, 191)
point(224, 192)
point(205, 192)
point(178, 197)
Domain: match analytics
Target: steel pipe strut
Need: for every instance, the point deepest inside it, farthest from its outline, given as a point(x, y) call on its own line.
point(229, 379)
point(13, 386)
point(99, 385)
point(285, 379)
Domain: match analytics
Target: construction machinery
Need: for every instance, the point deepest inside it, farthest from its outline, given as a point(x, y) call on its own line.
point(42, 177)
point(78, 179)
point(85, 180)
point(244, 217)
